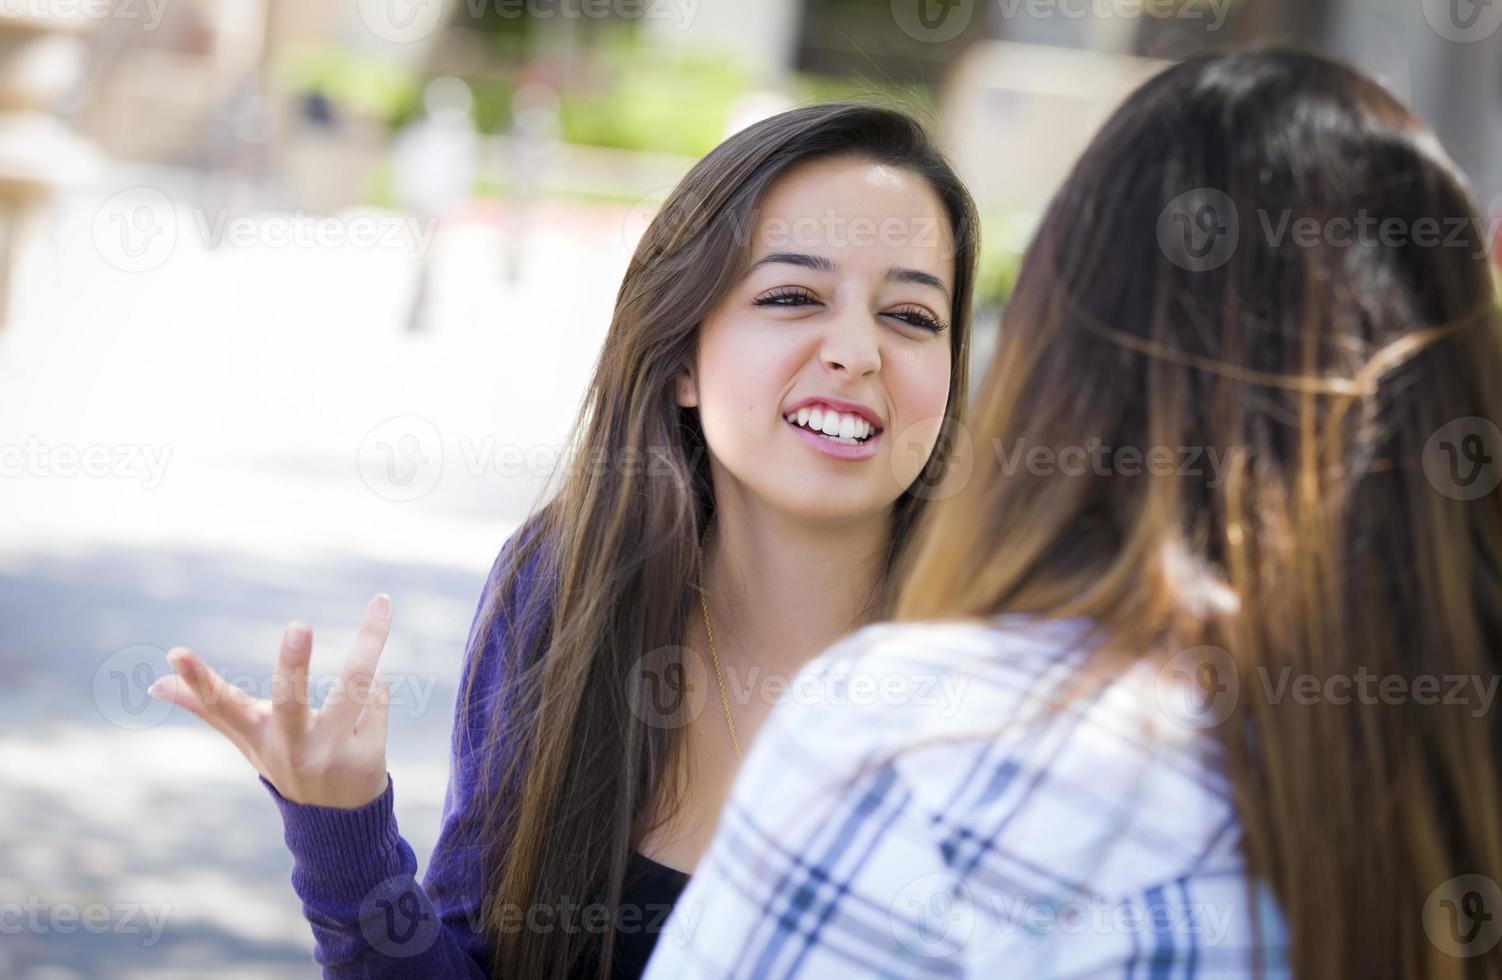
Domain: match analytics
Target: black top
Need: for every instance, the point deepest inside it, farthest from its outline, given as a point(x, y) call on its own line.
point(651, 891)
point(648, 896)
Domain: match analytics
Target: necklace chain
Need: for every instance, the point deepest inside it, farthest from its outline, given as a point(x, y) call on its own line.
point(715, 657)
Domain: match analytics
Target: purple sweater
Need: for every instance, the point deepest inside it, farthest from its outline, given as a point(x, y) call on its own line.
point(356, 875)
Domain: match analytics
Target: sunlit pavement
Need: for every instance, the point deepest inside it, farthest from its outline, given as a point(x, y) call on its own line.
point(203, 442)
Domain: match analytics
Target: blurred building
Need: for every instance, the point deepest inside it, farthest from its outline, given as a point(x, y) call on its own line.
point(205, 83)
point(1024, 83)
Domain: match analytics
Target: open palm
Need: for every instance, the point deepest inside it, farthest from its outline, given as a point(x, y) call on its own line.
point(332, 756)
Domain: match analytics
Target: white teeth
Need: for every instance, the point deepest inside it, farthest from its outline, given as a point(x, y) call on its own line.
point(847, 428)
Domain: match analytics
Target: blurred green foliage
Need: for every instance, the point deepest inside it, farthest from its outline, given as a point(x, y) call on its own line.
point(667, 101)
point(632, 97)
point(1003, 237)
point(913, 99)
point(356, 84)
point(492, 105)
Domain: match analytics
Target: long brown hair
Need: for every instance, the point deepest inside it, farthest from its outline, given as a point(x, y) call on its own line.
point(1302, 385)
point(611, 557)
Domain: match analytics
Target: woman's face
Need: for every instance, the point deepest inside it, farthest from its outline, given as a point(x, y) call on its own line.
point(833, 325)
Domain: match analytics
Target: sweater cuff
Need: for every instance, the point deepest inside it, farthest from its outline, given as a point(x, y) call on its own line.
point(342, 854)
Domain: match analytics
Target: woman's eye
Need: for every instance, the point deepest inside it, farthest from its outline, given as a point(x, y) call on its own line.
point(786, 297)
point(790, 297)
point(920, 317)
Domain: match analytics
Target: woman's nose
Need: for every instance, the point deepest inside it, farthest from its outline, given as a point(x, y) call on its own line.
point(851, 345)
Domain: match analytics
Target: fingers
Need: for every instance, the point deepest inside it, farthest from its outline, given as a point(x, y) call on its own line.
point(174, 690)
point(289, 693)
point(352, 690)
point(220, 701)
point(372, 723)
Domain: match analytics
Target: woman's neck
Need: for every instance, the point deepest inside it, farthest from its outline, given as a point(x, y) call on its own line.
point(781, 589)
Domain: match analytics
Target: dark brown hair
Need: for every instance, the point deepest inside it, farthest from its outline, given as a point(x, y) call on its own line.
point(616, 550)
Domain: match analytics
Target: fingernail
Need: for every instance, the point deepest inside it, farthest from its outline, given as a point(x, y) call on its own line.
point(177, 658)
point(156, 688)
point(381, 604)
point(297, 637)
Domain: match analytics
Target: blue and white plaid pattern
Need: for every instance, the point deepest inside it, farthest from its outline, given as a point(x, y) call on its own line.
point(925, 803)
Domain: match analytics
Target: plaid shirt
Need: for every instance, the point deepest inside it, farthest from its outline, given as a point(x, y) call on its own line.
point(919, 804)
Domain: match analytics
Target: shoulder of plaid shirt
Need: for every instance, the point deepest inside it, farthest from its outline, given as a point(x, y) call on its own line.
point(911, 808)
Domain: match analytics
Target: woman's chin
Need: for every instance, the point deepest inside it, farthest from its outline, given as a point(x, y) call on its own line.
point(834, 506)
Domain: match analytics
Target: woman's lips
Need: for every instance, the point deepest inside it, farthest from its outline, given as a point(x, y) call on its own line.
point(837, 450)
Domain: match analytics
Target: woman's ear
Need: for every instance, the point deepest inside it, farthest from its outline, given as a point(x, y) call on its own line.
point(686, 390)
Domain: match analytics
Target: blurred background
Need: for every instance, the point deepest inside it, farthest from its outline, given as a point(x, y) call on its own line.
point(299, 299)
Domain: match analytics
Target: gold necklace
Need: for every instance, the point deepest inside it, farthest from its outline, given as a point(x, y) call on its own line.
point(709, 630)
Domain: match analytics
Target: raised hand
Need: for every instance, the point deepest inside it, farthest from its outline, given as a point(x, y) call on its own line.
point(332, 756)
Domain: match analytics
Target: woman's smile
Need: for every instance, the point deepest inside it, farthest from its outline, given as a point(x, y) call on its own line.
point(850, 434)
point(834, 446)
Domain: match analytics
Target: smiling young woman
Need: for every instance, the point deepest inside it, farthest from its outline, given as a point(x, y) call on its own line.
point(788, 346)
point(854, 331)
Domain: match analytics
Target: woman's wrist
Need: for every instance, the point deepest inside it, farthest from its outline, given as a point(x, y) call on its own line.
point(343, 853)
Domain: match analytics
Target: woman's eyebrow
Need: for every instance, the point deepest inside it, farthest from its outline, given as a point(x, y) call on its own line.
point(819, 263)
point(896, 274)
point(802, 259)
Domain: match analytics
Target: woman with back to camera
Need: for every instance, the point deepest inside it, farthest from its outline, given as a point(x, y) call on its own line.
point(1195, 737)
point(812, 272)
